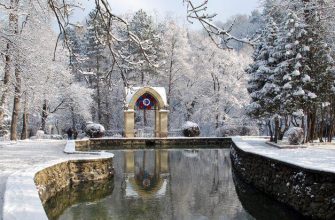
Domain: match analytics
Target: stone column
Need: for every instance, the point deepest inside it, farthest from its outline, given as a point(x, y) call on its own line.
point(157, 126)
point(129, 125)
point(163, 123)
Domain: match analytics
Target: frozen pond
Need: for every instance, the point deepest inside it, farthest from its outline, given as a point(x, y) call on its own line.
point(168, 184)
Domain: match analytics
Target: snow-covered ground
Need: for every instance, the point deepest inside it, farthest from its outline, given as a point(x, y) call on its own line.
point(19, 162)
point(318, 157)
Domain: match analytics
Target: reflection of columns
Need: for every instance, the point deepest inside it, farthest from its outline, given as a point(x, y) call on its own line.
point(164, 161)
point(157, 123)
point(163, 123)
point(129, 162)
point(129, 123)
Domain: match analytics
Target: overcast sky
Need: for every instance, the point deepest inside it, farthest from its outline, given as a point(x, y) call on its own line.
point(224, 8)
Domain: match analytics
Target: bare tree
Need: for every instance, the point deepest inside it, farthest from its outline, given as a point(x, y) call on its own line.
point(220, 36)
point(12, 31)
point(61, 10)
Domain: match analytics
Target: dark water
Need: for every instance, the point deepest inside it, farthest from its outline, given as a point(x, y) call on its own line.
point(168, 184)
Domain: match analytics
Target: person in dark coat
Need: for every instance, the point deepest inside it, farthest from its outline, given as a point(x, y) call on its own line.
point(75, 134)
point(69, 134)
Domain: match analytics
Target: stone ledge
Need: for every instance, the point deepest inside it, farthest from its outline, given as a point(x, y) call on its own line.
point(310, 192)
point(151, 143)
point(54, 179)
point(284, 146)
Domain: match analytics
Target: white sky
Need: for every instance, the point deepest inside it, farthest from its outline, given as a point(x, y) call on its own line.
point(176, 8)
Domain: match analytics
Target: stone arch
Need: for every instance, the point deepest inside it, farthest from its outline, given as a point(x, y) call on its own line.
point(161, 114)
point(142, 91)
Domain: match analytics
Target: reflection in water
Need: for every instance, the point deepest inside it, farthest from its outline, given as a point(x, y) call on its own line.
point(167, 184)
point(261, 206)
point(89, 192)
point(145, 173)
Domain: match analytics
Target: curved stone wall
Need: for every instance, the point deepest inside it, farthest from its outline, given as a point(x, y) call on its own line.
point(310, 192)
point(54, 179)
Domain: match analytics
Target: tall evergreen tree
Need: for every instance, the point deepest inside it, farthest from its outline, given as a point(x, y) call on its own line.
point(262, 87)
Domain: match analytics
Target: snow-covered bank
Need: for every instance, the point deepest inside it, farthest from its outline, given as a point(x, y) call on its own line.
point(302, 178)
point(19, 164)
point(314, 158)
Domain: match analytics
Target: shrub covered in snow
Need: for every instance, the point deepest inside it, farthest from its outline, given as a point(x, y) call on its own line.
point(229, 130)
point(40, 134)
point(94, 130)
point(56, 137)
point(191, 129)
point(295, 135)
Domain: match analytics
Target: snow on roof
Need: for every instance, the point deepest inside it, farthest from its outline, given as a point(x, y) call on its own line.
point(130, 92)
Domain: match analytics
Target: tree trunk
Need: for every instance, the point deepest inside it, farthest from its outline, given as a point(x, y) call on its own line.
point(170, 72)
point(13, 30)
point(16, 106)
point(277, 128)
point(98, 92)
point(308, 126)
point(44, 115)
point(25, 118)
point(303, 126)
point(312, 120)
point(5, 88)
point(270, 130)
point(332, 123)
point(142, 78)
point(285, 128)
point(107, 114)
point(73, 118)
point(13, 17)
point(321, 126)
point(313, 127)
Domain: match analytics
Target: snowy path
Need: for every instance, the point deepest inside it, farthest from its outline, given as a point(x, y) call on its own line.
point(315, 158)
point(25, 155)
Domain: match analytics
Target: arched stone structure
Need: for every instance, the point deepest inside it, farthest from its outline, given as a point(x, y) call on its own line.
point(152, 98)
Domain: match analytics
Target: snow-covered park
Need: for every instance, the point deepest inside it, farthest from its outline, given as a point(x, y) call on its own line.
point(261, 72)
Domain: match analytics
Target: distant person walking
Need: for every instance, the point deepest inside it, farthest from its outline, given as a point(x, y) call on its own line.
point(69, 134)
point(75, 134)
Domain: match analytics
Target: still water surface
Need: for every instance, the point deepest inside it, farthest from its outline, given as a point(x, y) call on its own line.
point(168, 184)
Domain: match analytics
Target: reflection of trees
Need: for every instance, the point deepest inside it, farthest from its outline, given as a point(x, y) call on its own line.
point(206, 185)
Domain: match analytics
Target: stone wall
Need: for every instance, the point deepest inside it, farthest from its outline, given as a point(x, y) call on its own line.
point(54, 179)
point(144, 143)
point(81, 145)
point(310, 192)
